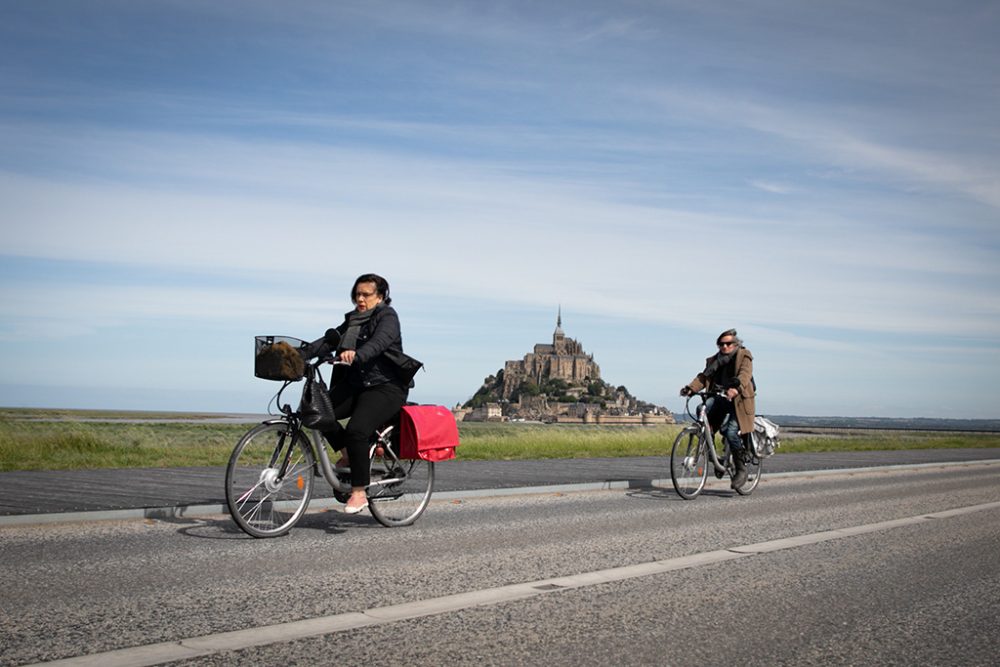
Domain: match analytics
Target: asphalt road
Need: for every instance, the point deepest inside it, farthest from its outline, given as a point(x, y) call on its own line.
point(36, 496)
point(623, 576)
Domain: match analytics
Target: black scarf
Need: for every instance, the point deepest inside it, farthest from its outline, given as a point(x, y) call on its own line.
point(355, 320)
point(719, 361)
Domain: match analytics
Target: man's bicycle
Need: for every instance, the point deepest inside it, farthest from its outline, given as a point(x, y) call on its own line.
point(269, 479)
point(694, 451)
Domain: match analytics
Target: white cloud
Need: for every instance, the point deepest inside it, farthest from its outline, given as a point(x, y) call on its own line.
point(463, 226)
point(813, 132)
point(773, 188)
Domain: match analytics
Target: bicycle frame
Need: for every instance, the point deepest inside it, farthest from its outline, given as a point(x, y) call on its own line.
point(702, 419)
point(381, 439)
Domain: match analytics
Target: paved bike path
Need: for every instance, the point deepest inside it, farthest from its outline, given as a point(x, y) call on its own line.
point(47, 496)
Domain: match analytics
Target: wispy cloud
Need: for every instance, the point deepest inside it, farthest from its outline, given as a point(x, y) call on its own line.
point(773, 188)
point(810, 132)
point(224, 214)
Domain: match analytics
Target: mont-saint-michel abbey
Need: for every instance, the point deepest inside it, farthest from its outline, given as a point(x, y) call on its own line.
point(557, 382)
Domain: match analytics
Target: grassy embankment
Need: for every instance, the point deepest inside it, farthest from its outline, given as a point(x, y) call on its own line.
point(27, 443)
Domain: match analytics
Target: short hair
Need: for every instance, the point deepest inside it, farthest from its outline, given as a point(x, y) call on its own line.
point(381, 286)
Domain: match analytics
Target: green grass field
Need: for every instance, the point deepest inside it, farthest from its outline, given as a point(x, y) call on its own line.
point(58, 440)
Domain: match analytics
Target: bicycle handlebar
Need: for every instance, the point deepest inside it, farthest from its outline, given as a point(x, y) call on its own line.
point(330, 359)
point(312, 367)
point(704, 396)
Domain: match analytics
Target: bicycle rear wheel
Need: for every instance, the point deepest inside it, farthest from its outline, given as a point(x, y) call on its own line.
point(399, 490)
point(262, 501)
point(689, 463)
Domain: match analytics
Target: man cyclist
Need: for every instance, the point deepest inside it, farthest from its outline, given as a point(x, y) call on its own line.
point(730, 369)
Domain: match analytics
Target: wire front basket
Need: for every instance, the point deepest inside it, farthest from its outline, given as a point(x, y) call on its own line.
point(278, 358)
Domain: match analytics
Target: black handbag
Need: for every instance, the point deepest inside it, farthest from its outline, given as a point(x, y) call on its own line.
point(316, 408)
point(406, 366)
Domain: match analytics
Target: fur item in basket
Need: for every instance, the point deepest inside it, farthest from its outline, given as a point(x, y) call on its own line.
point(279, 361)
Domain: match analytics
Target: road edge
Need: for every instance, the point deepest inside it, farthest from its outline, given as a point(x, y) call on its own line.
point(211, 510)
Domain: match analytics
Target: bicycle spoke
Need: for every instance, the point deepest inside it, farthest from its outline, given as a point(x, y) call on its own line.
point(253, 516)
point(242, 499)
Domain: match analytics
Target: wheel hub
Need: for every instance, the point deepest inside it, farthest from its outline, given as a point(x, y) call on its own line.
point(269, 478)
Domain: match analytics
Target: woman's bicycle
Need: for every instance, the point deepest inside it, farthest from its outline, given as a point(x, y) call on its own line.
point(269, 479)
point(695, 450)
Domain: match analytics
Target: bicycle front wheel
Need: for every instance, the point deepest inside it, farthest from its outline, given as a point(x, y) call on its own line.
point(269, 479)
point(399, 490)
point(689, 463)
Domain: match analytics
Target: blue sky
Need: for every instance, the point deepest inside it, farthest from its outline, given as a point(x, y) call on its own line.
point(179, 176)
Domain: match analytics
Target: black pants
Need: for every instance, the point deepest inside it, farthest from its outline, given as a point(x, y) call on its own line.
point(368, 408)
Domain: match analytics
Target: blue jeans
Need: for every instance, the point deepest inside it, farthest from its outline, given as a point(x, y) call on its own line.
point(722, 418)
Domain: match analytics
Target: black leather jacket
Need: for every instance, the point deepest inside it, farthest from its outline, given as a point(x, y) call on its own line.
point(379, 351)
point(378, 341)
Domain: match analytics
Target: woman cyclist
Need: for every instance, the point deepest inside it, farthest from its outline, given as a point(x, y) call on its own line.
point(375, 382)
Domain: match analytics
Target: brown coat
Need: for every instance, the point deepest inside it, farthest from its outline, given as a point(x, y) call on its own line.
point(746, 399)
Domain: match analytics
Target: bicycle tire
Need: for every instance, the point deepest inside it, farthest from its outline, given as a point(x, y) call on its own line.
point(399, 491)
point(689, 463)
point(261, 503)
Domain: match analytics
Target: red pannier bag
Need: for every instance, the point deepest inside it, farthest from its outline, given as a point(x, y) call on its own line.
point(427, 432)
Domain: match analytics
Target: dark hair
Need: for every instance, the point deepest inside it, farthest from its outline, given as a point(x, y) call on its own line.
point(729, 332)
point(381, 286)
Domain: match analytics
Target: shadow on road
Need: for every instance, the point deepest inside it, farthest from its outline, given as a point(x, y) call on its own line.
point(224, 528)
point(651, 492)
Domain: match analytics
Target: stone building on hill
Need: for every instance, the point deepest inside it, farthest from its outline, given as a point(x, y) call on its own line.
point(557, 382)
point(563, 360)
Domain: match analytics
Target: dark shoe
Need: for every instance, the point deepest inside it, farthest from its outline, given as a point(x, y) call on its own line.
point(740, 476)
